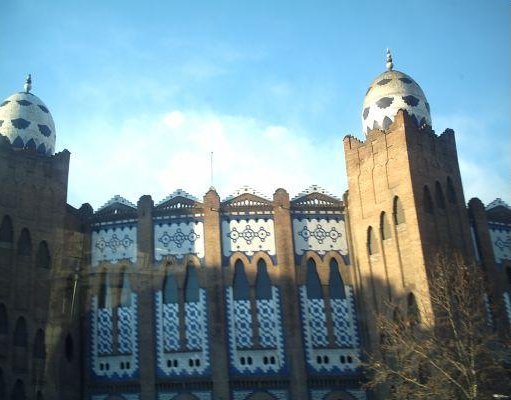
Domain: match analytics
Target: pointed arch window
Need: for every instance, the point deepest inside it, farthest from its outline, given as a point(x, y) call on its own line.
point(313, 284)
point(412, 310)
point(4, 328)
point(104, 300)
point(336, 283)
point(398, 212)
point(385, 231)
point(20, 336)
point(39, 345)
point(192, 291)
point(241, 287)
point(6, 231)
point(508, 275)
point(25, 243)
point(451, 193)
point(69, 348)
point(125, 294)
point(427, 201)
point(263, 282)
point(170, 293)
point(372, 245)
point(43, 259)
point(3, 389)
point(18, 391)
point(439, 194)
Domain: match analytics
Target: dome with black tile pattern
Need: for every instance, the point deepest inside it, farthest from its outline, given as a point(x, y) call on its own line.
point(390, 92)
point(27, 123)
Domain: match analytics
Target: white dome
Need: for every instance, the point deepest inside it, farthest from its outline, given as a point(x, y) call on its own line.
point(390, 92)
point(27, 123)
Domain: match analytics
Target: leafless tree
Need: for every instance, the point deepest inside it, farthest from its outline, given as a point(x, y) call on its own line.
point(451, 353)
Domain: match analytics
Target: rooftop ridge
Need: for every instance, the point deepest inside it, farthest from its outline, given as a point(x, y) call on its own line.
point(314, 189)
point(496, 203)
point(117, 199)
point(177, 193)
point(246, 189)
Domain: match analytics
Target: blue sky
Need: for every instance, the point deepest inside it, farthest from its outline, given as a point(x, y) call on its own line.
point(142, 92)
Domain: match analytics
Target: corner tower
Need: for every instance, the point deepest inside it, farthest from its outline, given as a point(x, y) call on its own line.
point(405, 201)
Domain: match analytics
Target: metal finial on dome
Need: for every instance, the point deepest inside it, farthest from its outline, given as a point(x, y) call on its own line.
point(28, 83)
point(389, 64)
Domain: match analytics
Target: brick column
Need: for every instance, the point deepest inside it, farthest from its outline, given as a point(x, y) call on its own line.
point(215, 290)
point(291, 316)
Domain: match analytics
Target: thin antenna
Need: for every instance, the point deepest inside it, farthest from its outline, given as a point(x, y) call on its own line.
point(211, 168)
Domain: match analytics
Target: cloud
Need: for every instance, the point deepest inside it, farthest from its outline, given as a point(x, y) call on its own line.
point(156, 155)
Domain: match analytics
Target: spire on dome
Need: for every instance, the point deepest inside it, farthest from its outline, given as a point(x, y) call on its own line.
point(389, 64)
point(28, 83)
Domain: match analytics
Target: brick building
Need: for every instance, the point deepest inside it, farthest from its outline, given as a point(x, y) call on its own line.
point(245, 297)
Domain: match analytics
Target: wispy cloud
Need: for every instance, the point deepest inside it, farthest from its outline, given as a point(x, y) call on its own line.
point(155, 156)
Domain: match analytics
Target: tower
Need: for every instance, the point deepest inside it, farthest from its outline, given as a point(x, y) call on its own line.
point(405, 198)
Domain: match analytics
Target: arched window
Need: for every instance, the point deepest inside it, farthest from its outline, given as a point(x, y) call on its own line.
point(336, 284)
point(104, 296)
point(385, 230)
point(241, 288)
point(4, 327)
point(125, 295)
point(39, 345)
point(170, 294)
point(43, 259)
point(69, 348)
point(508, 273)
point(428, 202)
point(439, 194)
point(451, 193)
point(25, 243)
point(192, 291)
point(412, 310)
point(263, 282)
point(398, 212)
point(3, 389)
point(372, 245)
point(18, 391)
point(20, 335)
point(313, 284)
point(39, 395)
point(6, 231)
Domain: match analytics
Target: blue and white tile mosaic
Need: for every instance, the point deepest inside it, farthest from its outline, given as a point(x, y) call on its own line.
point(178, 239)
point(187, 356)
point(114, 244)
point(320, 235)
point(248, 236)
point(197, 394)
point(500, 235)
point(341, 356)
point(256, 345)
point(276, 394)
point(114, 355)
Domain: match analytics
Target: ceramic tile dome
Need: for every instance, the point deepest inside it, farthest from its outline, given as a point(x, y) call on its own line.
point(27, 123)
point(392, 91)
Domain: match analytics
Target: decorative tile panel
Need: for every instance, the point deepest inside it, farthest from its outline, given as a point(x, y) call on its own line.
point(248, 236)
point(114, 244)
point(277, 394)
point(500, 235)
point(342, 356)
point(197, 394)
point(176, 357)
point(109, 361)
point(178, 239)
point(320, 235)
point(246, 356)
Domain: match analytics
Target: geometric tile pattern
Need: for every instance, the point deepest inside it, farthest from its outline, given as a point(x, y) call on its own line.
point(199, 395)
point(193, 322)
point(176, 357)
point(341, 356)
point(243, 324)
point(178, 238)
point(170, 320)
point(114, 244)
point(320, 235)
point(124, 326)
point(248, 236)
point(317, 321)
point(246, 394)
point(266, 317)
point(248, 353)
point(120, 363)
point(105, 331)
